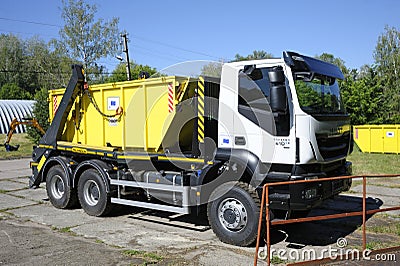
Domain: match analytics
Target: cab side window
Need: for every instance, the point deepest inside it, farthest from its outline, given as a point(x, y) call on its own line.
point(253, 99)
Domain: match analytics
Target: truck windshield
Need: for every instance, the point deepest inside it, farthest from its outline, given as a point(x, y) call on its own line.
point(319, 94)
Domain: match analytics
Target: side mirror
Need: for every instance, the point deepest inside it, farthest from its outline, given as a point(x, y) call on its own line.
point(253, 72)
point(278, 96)
point(276, 75)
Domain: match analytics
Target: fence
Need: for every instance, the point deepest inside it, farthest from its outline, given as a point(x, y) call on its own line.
point(269, 223)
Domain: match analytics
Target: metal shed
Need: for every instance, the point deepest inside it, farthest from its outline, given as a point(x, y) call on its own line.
point(10, 109)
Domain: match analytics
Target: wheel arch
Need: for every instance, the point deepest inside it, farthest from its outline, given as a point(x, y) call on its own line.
point(100, 166)
point(58, 160)
point(253, 171)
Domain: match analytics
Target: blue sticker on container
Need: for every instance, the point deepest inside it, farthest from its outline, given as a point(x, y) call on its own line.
point(390, 134)
point(226, 141)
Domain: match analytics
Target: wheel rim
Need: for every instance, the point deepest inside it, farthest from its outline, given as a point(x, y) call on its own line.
point(91, 192)
point(232, 214)
point(57, 187)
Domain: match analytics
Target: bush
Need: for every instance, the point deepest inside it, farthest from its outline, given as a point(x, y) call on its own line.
point(41, 113)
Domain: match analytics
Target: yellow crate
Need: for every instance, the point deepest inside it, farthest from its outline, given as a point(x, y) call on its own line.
point(377, 138)
point(147, 113)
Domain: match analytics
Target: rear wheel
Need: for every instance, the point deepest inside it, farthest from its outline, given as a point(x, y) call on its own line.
point(92, 193)
point(233, 214)
point(60, 194)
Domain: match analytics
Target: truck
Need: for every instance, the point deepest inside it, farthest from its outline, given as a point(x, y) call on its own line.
point(200, 145)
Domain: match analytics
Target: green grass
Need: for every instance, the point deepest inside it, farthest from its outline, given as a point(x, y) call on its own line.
point(277, 260)
point(25, 149)
point(374, 163)
point(148, 256)
point(374, 245)
point(393, 228)
point(65, 230)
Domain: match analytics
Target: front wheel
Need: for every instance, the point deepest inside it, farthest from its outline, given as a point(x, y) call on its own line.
point(92, 193)
point(233, 214)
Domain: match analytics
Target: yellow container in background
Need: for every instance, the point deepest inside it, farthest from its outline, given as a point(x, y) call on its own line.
point(377, 138)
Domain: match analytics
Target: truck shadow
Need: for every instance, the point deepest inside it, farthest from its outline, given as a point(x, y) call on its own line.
point(189, 222)
point(192, 222)
point(326, 232)
point(298, 235)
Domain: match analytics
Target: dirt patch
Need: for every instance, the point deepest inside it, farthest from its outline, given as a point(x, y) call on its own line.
point(27, 243)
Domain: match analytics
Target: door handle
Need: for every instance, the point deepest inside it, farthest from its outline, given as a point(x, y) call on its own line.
point(240, 140)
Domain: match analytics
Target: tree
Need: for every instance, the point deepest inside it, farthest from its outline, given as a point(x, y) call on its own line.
point(387, 59)
point(362, 94)
point(119, 73)
point(11, 91)
point(32, 64)
point(11, 58)
point(257, 54)
point(60, 65)
point(84, 38)
point(41, 113)
point(49, 65)
point(212, 69)
point(330, 58)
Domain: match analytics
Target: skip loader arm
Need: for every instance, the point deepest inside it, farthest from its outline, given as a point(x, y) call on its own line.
point(54, 132)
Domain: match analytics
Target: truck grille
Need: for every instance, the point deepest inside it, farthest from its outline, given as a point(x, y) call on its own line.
point(331, 147)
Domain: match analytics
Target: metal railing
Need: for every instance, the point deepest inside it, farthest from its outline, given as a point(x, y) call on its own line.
point(269, 223)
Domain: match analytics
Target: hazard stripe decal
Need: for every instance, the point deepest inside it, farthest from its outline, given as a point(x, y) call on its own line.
point(200, 110)
point(170, 98)
point(55, 105)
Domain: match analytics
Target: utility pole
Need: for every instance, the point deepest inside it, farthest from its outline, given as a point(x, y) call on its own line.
point(128, 67)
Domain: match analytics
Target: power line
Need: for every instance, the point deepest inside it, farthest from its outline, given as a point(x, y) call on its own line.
point(49, 73)
point(136, 36)
point(150, 54)
point(154, 52)
point(27, 33)
point(31, 22)
point(175, 47)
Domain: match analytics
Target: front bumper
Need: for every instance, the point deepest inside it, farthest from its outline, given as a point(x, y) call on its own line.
point(305, 196)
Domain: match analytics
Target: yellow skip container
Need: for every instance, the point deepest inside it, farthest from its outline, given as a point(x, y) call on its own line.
point(377, 138)
point(133, 115)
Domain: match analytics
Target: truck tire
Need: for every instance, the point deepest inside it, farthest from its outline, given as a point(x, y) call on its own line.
point(92, 193)
point(61, 195)
point(234, 216)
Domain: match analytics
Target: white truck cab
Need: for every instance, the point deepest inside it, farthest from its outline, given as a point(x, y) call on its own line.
point(287, 115)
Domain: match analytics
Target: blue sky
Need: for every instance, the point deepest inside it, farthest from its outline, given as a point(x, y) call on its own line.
point(163, 33)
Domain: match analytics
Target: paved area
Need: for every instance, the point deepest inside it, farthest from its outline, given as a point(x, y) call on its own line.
point(178, 239)
point(34, 232)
